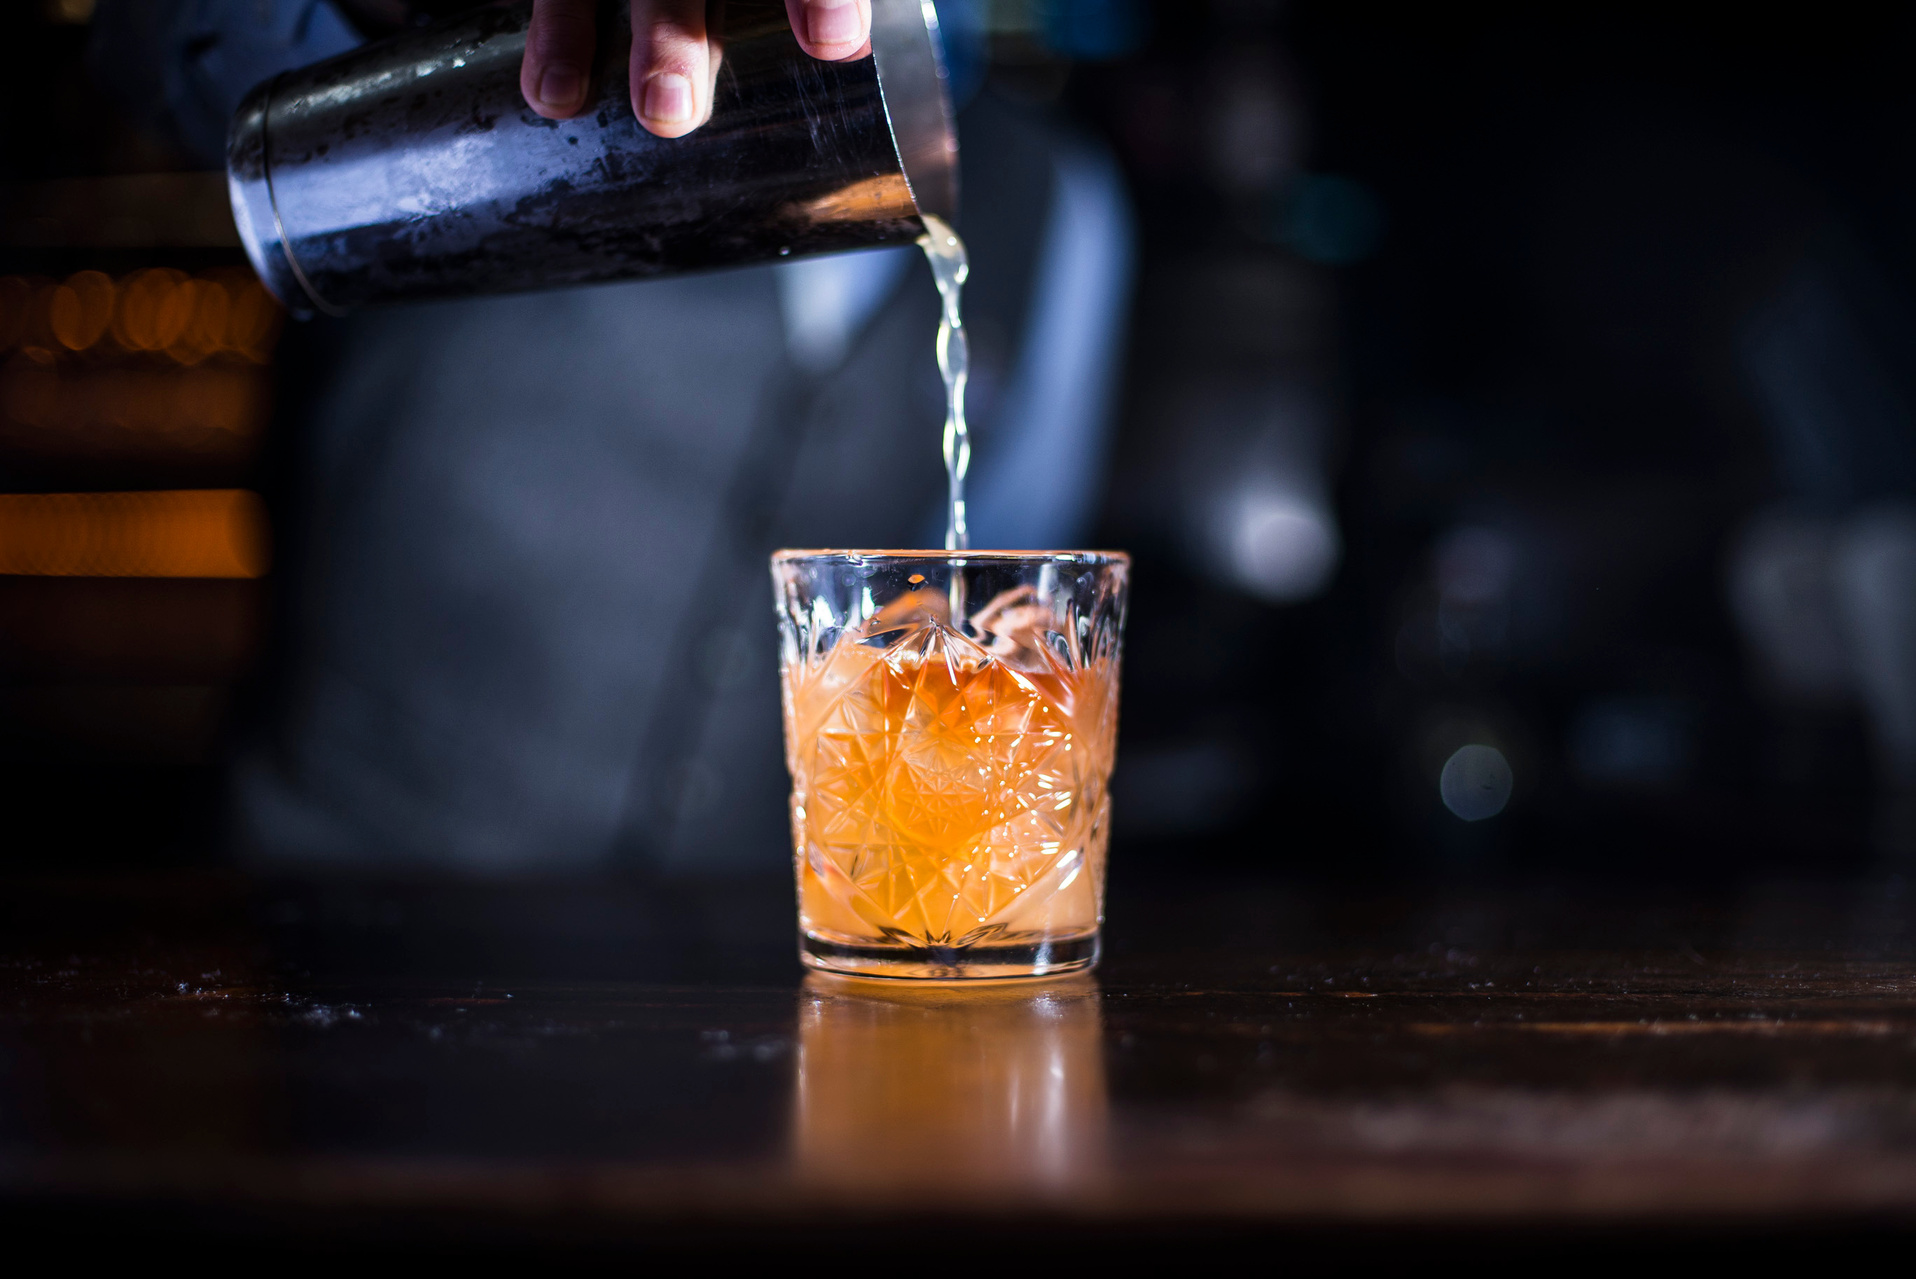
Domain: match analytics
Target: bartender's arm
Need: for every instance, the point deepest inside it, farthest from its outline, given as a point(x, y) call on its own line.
point(674, 65)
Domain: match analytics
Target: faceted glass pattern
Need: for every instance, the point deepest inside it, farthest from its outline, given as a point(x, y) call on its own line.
point(950, 804)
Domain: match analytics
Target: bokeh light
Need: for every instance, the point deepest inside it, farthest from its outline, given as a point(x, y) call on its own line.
point(183, 533)
point(157, 351)
point(1476, 781)
point(39, 393)
point(1283, 548)
point(80, 310)
point(189, 318)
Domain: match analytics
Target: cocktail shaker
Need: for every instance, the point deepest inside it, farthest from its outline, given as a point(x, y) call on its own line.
point(413, 168)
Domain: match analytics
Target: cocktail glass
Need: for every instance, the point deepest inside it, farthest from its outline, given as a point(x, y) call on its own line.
point(950, 723)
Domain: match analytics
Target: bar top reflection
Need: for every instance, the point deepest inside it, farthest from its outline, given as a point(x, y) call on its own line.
point(976, 1092)
point(643, 1065)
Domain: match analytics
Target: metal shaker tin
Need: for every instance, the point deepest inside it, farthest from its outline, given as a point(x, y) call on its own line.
point(412, 168)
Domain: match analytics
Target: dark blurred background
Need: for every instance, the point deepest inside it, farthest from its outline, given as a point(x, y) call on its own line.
point(1516, 446)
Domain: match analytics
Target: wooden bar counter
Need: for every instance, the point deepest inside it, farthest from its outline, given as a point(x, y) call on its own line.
point(204, 1061)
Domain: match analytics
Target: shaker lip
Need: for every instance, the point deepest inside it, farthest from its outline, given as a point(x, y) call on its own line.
point(249, 185)
point(912, 80)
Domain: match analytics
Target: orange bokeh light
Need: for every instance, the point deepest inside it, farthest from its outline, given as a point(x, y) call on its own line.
point(190, 318)
point(39, 393)
point(157, 351)
point(151, 312)
point(182, 533)
point(80, 310)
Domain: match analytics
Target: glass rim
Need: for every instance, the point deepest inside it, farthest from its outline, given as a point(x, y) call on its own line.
point(793, 555)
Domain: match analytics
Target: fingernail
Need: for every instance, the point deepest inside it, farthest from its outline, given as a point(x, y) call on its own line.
point(832, 23)
point(668, 98)
point(560, 86)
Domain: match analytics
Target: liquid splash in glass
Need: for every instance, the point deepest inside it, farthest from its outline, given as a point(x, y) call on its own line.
point(949, 267)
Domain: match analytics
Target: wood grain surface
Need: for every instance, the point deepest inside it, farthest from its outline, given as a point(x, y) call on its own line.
point(632, 1060)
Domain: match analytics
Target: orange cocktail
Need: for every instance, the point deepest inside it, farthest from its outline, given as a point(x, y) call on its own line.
point(950, 803)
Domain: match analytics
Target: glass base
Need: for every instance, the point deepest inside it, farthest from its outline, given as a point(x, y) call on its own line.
point(1041, 957)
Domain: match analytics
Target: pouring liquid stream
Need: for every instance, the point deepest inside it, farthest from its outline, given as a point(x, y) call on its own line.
point(949, 267)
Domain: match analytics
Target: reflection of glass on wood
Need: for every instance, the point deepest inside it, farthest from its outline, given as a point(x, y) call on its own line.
point(975, 1091)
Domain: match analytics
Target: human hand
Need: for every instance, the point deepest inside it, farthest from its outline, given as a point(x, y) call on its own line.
point(674, 62)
